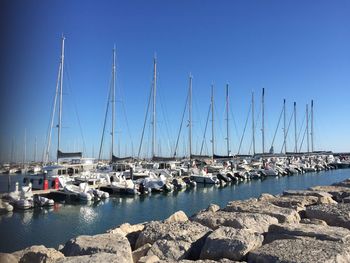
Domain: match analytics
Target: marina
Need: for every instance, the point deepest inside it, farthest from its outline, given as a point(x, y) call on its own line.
point(35, 226)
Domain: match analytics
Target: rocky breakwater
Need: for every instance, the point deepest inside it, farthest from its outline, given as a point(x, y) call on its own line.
point(297, 226)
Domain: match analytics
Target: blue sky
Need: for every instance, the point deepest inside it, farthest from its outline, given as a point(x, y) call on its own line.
point(297, 50)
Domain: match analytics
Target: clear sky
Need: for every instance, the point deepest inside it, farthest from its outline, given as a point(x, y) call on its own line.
point(297, 50)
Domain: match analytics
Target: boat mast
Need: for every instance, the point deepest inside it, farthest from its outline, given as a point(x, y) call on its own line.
point(253, 124)
point(60, 102)
point(212, 120)
point(284, 126)
point(295, 128)
point(190, 116)
point(25, 147)
point(307, 128)
point(227, 124)
point(113, 102)
point(263, 120)
point(154, 106)
point(312, 125)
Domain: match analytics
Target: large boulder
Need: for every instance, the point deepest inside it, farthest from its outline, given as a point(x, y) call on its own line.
point(213, 208)
point(284, 215)
point(38, 254)
point(8, 258)
point(300, 251)
point(241, 220)
point(230, 243)
point(131, 232)
point(319, 232)
point(178, 216)
point(140, 252)
point(333, 215)
point(338, 192)
point(296, 202)
point(171, 250)
point(306, 193)
point(109, 243)
point(176, 240)
point(99, 257)
point(186, 231)
point(149, 259)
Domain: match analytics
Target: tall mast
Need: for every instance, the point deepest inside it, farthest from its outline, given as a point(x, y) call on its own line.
point(284, 126)
point(253, 124)
point(227, 124)
point(295, 128)
point(25, 147)
point(113, 102)
point(307, 128)
point(61, 93)
point(154, 106)
point(190, 116)
point(212, 121)
point(263, 120)
point(312, 125)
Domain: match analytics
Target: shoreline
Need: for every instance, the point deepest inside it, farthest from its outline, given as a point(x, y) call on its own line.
point(254, 230)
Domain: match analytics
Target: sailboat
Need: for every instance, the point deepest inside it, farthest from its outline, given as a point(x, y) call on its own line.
point(68, 165)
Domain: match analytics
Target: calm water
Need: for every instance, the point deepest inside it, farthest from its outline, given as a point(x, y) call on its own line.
point(55, 226)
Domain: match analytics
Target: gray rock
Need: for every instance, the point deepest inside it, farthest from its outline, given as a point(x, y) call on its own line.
point(296, 202)
point(333, 215)
point(338, 192)
point(313, 221)
point(346, 200)
point(284, 215)
point(35, 254)
point(213, 208)
point(140, 252)
point(149, 259)
point(171, 250)
point(131, 232)
point(319, 232)
point(185, 231)
point(99, 257)
point(257, 222)
point(230, 243)
point(8, 258)
point(109, 243)
point(306, 193)
point(302, 250)
point(178, 216)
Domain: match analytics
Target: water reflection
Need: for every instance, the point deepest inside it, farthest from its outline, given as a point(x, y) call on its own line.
point(87, 214)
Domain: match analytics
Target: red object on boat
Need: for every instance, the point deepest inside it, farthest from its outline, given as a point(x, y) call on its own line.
point(46, 184)
point(57, 184)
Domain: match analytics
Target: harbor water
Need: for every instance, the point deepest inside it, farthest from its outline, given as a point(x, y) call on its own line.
point(56, 225)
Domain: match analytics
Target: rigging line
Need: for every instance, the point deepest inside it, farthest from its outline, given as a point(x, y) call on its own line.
point(219, 121)
point(47, 151)
point(301, 127)
point(75, 105)
point(164, 117)
point(234, 123)
point(278, 124)
point(245, 127)
point(144, 124)
point(197, 113)
point(178, 136)
point(128, 127)
point(46, 157)
point(302, 141)
point(290, 121)
point(205, 130)
point(105, 120)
